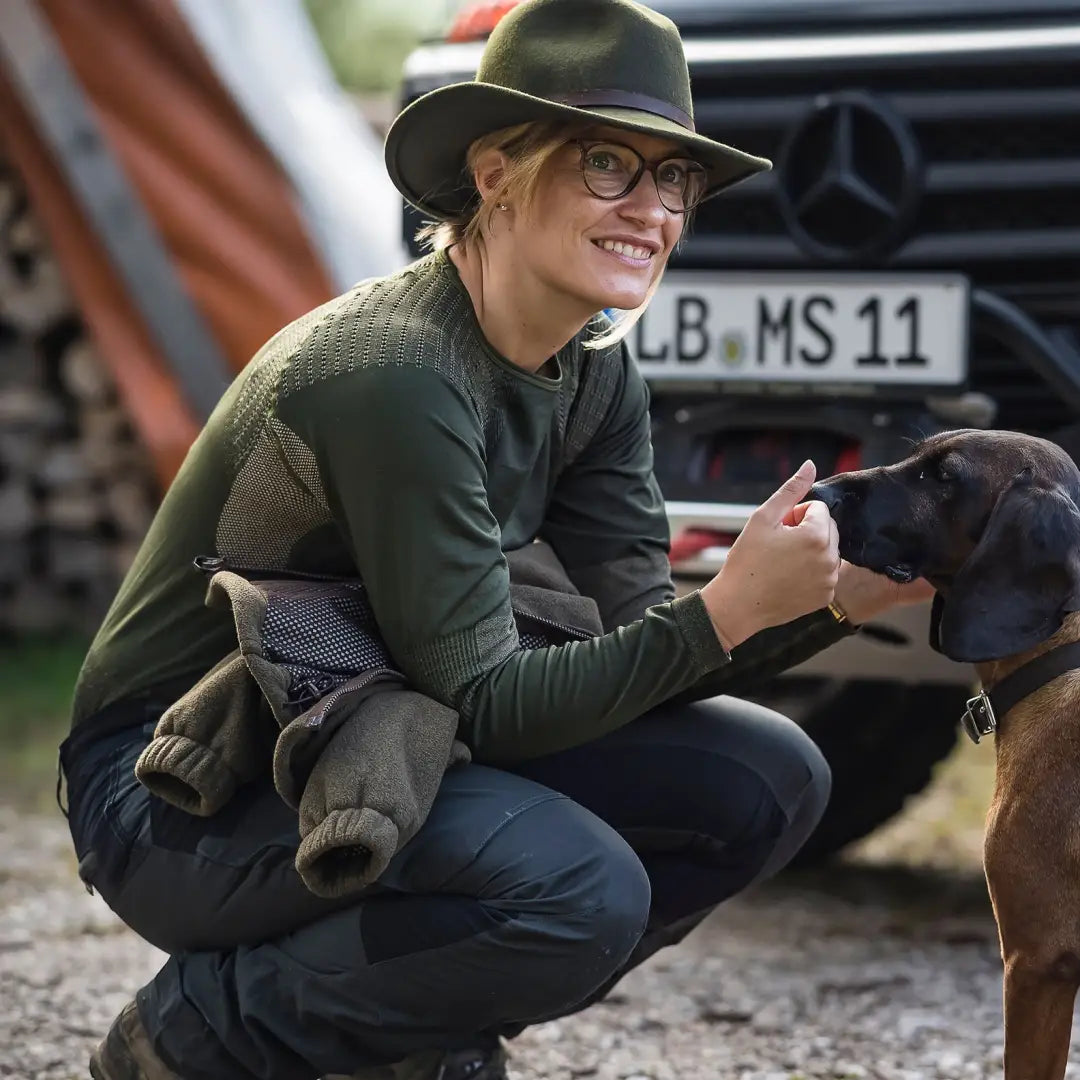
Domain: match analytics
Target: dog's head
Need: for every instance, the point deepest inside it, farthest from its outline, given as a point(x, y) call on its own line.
point(989, 518)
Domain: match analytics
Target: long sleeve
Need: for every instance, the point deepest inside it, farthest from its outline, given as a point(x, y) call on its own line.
point(768, 654)
point(607, 523)
point(400, 454)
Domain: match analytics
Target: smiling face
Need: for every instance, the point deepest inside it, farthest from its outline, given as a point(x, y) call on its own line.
point(605, 253)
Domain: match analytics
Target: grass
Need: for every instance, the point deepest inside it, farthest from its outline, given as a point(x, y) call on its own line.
point(37, 676)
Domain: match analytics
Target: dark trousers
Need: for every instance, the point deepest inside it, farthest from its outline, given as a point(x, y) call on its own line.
point(525, 895)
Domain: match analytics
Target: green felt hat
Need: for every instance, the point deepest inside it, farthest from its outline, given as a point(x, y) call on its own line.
point(613, 62)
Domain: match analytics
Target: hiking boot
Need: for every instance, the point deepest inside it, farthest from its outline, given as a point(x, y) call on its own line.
point(488, 1063)
point(126, 1052)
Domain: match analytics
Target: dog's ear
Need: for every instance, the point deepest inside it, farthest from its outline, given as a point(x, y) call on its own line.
point(1023, 576)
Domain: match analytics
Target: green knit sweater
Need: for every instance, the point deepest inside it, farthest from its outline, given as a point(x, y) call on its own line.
point(381, 435)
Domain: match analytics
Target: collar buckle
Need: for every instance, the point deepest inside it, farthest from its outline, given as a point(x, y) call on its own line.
point(979, 718)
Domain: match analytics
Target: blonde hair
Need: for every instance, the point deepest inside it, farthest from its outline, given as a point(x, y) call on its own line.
point(528, 148)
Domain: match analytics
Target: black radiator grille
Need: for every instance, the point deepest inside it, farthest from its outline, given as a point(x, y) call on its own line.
point(1000, 149)
point(999, 144)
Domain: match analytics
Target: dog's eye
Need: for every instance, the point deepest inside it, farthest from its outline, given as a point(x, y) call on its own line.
point(937, 471)
point(946, 469)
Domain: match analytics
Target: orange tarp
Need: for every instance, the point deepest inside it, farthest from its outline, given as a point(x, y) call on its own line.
point(220, 202)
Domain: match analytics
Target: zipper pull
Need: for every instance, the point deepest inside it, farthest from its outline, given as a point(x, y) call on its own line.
point(209, 564)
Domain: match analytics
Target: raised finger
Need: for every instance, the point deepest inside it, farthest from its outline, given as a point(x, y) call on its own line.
point(782, 501)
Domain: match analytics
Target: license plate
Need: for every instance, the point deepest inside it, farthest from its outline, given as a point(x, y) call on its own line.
point(857, 329)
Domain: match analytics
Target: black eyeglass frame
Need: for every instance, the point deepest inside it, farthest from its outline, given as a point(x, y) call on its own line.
point(585, 145)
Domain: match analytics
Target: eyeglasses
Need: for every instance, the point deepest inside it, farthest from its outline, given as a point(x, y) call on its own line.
point(612, 170)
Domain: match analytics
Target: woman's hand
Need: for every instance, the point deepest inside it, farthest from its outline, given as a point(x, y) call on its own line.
point(863, 594)
point(784, 564)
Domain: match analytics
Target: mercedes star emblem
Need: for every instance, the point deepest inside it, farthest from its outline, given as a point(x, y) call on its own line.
point(850, 178)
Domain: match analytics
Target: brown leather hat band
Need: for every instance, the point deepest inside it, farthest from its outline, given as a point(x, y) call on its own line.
point(625, 99)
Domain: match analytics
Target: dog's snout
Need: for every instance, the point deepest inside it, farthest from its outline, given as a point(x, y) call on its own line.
point(824, 492)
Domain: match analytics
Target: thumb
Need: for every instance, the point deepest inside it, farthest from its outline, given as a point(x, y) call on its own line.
point(790, 493)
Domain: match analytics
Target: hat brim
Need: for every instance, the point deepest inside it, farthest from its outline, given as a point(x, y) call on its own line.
point(426, 144)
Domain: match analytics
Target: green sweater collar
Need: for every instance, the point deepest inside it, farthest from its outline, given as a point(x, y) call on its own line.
point(442, 261)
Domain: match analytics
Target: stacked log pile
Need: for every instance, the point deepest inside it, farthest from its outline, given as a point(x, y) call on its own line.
point(76, 487)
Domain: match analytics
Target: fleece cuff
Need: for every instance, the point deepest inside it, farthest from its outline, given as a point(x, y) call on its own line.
point(346, 851)
point(186, 774)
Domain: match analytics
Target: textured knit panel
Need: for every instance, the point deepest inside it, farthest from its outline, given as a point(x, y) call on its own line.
point(299, 459)
point(600, 375)
point(423, 316)
point(275, 501)
point(453, 660)
point(419, 316)
point(263, 374)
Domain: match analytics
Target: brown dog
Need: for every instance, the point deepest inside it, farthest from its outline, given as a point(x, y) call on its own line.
point(990, 518)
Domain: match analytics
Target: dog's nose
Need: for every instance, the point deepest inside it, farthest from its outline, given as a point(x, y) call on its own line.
point(830, 496)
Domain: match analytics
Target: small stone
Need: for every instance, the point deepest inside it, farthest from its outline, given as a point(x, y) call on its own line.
point(950, 1062)
point(723, 1014)
point(775, 1016)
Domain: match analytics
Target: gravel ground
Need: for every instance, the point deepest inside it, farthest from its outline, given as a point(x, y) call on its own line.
point(873, 968)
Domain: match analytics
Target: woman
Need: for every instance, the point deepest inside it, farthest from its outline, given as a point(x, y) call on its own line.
point(413, 431)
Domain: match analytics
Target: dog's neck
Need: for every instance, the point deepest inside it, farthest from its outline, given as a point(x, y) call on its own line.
point(1021, 735)
point(991, 672)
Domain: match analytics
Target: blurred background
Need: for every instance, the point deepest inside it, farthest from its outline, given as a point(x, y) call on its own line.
point(366, 42)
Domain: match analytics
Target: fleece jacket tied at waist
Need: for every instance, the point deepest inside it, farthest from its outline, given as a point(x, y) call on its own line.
point(357, 752)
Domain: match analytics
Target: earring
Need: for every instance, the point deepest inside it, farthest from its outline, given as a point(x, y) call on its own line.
point(501, 206)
